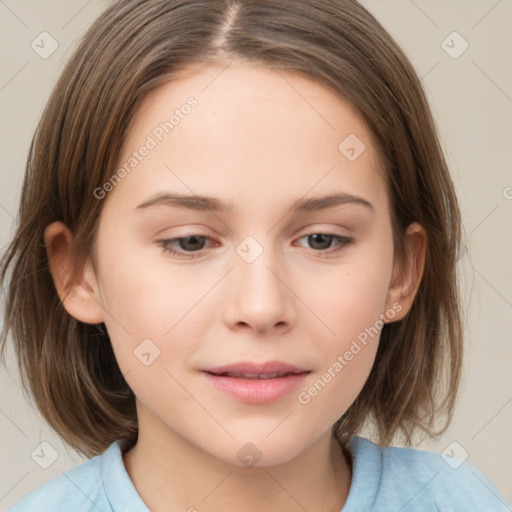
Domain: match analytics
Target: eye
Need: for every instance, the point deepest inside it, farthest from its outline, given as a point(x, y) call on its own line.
point(323, 242)
point(192, 246)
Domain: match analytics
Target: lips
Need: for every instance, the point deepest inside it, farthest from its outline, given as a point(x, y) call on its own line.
point(247, 375)
point(256, 383)
point(249, 370)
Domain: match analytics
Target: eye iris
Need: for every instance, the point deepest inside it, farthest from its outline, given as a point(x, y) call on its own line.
point(195, 245)
point(317, 237)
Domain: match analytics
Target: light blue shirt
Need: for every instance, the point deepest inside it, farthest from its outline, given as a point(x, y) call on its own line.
point(388, 479)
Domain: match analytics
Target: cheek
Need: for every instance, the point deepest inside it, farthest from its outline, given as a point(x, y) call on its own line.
point(353, 295)
point(146, 305)
point(351, 305)
point(141, 287)
point(346, 351)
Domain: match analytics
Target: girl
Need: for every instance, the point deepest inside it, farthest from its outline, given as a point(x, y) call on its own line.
point(237, 245)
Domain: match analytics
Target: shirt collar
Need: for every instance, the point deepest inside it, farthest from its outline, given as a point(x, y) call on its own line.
point(366, 475)
point(119, 488)
point(364, 487)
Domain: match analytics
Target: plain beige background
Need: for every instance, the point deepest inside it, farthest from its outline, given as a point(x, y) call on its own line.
point(470, 93)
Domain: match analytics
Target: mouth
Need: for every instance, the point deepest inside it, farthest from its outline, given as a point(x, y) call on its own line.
point(262, 376)
point(256, 383)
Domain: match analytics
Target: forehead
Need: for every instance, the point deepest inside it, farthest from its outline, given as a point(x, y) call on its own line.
point(246, 132)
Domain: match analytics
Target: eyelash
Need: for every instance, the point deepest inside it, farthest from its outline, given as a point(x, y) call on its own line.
point(168, 245)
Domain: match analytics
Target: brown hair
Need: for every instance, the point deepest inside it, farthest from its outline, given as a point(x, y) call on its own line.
point(135, 46)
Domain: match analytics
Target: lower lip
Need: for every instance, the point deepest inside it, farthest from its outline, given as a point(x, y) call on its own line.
point(257, 391)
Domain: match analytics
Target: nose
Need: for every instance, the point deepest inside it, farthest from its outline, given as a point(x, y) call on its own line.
point(259, 296)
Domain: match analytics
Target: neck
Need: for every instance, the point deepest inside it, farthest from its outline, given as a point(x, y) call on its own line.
point(174, 475)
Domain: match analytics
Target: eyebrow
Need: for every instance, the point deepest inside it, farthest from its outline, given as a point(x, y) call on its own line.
point(205, 203)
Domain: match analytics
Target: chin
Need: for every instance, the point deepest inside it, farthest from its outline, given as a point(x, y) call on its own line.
point(260, 451)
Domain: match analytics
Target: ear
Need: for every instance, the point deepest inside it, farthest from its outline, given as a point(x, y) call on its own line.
point(407, 272)
point(76, 287)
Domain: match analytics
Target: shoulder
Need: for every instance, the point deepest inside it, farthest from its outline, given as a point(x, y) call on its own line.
point(79, 489)
point(413, 479)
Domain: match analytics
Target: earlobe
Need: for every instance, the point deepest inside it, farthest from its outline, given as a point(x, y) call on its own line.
point(76, 286)
point(408, 272)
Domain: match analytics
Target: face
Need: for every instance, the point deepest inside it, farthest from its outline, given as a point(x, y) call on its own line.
point(256, 321)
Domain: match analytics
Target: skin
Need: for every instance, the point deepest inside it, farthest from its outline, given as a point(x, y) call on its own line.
point(259, 139)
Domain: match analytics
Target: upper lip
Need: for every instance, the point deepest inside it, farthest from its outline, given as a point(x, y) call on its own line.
point(251, 369)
